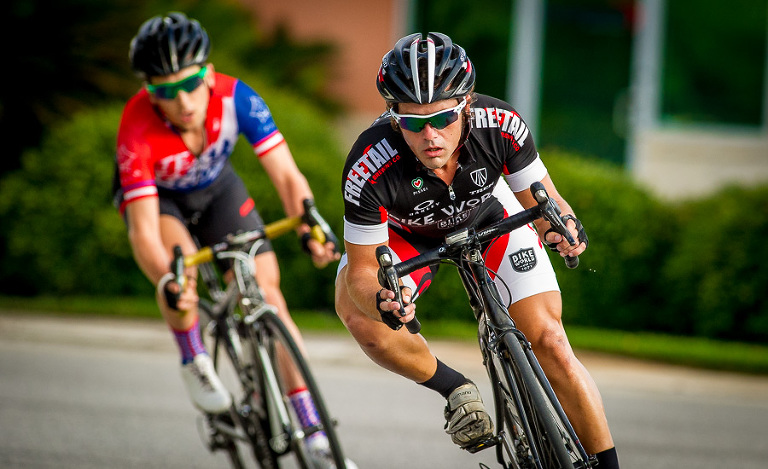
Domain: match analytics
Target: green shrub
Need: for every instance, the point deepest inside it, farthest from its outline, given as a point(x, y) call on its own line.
point(63, 235)
point(716, 275)
point(630, 232)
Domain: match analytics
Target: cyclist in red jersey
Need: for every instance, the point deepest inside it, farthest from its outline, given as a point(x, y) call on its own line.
point(175, 181)
point(440, 159)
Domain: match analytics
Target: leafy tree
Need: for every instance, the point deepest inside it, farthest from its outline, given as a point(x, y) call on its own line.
point(714, 61)
point(65, 66)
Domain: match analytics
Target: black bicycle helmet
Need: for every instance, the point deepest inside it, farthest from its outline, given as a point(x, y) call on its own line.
point(425, 70)
point(167, 44)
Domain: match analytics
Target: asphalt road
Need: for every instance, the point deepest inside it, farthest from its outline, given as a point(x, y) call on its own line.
point(107, 394)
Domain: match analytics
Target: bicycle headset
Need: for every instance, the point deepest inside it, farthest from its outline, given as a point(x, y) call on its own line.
point(167, 44)
point(423, 71)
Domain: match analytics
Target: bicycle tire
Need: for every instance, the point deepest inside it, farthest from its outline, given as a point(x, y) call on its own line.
point(513, 447)
point(237, 371)
point(546, 439)
point(579, 457)
point(271, 332)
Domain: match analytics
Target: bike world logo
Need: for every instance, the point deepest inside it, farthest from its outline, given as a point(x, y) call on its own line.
point(375, 160)
point(479, 177)
point(523, 260)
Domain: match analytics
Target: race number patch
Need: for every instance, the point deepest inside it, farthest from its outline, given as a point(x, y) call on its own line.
point(523, 260)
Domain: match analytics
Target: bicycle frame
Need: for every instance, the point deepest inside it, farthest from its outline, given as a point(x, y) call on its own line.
point(227, 328)
point(249, 336)
point(496, 327)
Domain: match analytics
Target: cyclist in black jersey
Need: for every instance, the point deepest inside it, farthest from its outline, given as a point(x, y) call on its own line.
point(442, 158)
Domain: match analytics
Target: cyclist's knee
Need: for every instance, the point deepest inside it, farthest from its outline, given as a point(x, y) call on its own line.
point(362, 328)
point(551, 345)
point(274, 296)
point(373, 336)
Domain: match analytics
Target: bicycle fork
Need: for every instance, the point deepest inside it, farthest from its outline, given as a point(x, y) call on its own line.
point(279, 420)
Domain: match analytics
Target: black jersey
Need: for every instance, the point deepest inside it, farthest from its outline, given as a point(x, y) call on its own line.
point(384, 184)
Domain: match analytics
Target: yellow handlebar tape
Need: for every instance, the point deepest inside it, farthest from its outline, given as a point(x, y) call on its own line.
point(318, 234)
point(272, 230)
point(200, 257)
point(280, 227)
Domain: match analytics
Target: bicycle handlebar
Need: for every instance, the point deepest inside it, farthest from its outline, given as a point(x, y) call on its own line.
point(547, 209)
point(319, 230)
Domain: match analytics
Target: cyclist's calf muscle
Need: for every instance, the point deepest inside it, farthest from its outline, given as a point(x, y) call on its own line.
point(572, 383)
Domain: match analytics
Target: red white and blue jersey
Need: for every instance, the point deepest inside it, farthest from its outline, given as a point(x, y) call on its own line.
point(151, 153)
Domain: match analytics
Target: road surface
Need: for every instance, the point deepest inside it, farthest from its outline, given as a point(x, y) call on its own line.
point(100, 393)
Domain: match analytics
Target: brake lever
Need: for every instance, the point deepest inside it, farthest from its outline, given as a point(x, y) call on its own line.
point(551, 212)
point(388, 279)
point(177, 267)
point(317, 224)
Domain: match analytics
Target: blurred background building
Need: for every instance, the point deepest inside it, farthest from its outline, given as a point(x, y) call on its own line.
point(676, 91)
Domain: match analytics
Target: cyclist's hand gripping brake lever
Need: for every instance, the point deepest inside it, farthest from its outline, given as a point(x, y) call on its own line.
point(176, 275)
point(321, 231)
point(388, 280)
point(551, 212)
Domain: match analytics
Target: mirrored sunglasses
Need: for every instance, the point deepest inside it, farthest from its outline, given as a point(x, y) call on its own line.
point(170, 90)
point(438, 120)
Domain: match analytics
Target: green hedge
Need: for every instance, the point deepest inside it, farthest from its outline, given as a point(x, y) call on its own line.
point(696, 268)
point(630, 233)
point(716, 277)
point(61, 234)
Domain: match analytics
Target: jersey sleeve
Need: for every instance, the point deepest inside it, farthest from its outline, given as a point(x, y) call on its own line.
point(134, 159)
point(368, 187)
point(522, 165)
point(255, 120)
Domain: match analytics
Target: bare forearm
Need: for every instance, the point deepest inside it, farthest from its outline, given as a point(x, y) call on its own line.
point(290, 183)
point(150, 256)
point(292, 192)
point(362, 286)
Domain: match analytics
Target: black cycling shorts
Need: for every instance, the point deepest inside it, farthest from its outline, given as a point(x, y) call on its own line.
point(210, 214)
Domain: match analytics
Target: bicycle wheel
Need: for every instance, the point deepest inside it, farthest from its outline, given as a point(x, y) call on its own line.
point(528, 410)
point(280, 358)
point(245, 428)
